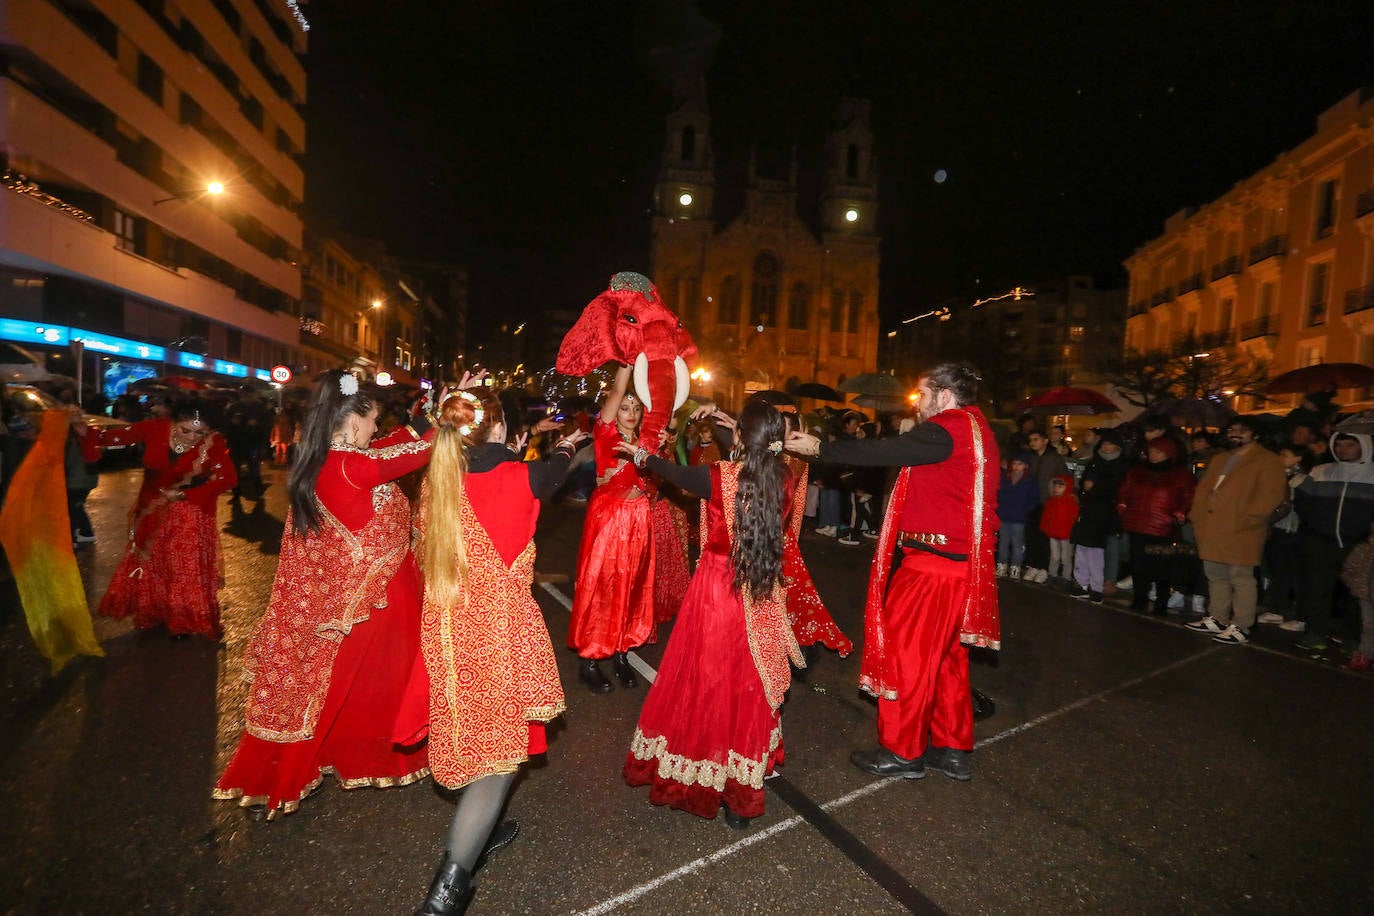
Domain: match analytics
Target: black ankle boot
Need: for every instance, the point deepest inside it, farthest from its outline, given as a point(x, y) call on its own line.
point(590, 674)
point(450, 891)
point(624, 671)
point(733, 820)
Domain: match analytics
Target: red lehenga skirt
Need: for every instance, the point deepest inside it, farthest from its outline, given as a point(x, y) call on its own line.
point(353, 738)
point(706, 733)
point(175, 579)
point(613, 601)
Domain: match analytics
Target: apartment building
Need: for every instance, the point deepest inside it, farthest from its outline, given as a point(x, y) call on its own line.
point(151, 183)
point(1281, 266)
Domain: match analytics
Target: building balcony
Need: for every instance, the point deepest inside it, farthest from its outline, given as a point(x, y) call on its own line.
point(1364, 203)
point(1264, 326)
point(1190, 284)
point(1227, 268)
point(1214, 339)
point(1357, 300)
point(1163, 296)
point(1272, 247)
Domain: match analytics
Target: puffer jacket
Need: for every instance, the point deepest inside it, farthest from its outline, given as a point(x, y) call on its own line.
point(1153, 495)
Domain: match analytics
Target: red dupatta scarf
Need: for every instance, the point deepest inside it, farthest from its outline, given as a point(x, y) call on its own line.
point(325, 583)
point(980, 624)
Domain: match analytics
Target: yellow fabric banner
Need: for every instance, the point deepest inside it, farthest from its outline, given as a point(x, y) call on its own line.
point(36, 534)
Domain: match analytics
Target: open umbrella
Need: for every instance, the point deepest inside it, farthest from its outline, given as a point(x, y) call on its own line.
point(1356, 424)
point(1320, 376)
point(882, 403)
point(1068, 401)
point(1193, 411)
point(876, 383)
point(817, 391)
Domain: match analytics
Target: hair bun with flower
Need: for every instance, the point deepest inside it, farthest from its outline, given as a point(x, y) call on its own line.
point(462, 411)
point(775, 446)
point(348, 384)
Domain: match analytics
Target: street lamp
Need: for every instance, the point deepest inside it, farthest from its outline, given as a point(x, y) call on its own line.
point(212, 189)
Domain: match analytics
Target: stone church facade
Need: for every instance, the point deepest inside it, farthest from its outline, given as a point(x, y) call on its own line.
point(770, 298)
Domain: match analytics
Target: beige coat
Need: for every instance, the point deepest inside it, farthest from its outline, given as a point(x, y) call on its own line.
point(1231, 513)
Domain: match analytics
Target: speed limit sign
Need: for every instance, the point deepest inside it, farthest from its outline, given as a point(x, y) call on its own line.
point(281, 375)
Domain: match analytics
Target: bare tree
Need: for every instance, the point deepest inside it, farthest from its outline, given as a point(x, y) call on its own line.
point(1194, 368)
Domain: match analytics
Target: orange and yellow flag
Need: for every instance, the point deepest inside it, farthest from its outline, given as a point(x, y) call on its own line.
point(37, 537)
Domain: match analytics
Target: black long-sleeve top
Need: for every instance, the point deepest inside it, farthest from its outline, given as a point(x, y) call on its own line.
point(928, 443)
point(694, 479)
point(545, 476)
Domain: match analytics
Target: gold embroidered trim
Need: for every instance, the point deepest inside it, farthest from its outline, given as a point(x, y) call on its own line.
point(290, 807)
point(746, 771)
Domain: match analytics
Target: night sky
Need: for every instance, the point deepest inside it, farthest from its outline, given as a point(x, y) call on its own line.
point(521, 137)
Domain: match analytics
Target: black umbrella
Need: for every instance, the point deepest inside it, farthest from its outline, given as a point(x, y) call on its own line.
point(817, 391)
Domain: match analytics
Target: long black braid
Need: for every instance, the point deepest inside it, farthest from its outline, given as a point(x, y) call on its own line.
point(329, 409)
point(756, 554)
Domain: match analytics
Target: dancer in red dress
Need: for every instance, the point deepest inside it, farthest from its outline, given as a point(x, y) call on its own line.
point(613, 601)
point(171, 572)
point(710, 729)
point(329, 659)
point(943, 596)
point(492, 678)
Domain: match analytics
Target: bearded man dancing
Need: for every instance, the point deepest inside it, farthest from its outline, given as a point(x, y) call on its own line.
point(943, 595)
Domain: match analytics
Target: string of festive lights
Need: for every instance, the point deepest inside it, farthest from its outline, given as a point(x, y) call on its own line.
point(295, 8)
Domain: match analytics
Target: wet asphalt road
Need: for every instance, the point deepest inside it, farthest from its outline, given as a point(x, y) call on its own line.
point(1132, 767)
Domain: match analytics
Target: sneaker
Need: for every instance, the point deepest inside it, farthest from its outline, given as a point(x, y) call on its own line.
point(870, 534)
point(1359, 662)
point(1176, 601)
point(1125, 584)
point(1207, 625)
point(1232, 636)
point(849, 540)
point(1001, 570)
point(1094, 597)
point(1042, 576)
point(829, 531)
point(1294, 626)
point(1078, 591)
point(1312, 643)
point(1013, 572)
point(1269, 617)
point(83, 538)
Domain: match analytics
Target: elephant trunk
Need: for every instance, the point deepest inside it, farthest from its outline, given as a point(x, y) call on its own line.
point(656, 381)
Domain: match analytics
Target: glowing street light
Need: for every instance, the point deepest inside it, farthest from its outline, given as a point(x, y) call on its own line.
point(215, 187)
point(699, 374)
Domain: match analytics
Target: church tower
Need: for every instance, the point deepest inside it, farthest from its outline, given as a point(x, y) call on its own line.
point(849, 204)
point(686, 178)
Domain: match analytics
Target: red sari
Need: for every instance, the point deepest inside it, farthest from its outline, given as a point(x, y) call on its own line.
point(171, 571)
point(492, 677)
point(329, 659)
point(710, 729)
point(613, 601)
point(811, 622)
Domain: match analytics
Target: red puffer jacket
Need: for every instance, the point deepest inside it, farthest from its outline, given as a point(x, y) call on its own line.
point(1152, 497)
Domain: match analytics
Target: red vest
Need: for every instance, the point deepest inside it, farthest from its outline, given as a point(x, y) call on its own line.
point(938, 497)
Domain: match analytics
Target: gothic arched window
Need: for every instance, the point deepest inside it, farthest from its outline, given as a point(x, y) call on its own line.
point(856, 305)
point(689, 144)
point(765, 292)
point(799, 307)
point(727, 311)
point(851, 161)
point(837, 310)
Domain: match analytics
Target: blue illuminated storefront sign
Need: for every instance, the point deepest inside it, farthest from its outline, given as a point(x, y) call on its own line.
point(118, 346)
point(237, 370)
point(53, 335)
point(262, 375)
point(190, 360)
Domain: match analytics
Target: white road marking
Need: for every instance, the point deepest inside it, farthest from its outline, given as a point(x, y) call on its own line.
point(644, 668)
point(726, 852)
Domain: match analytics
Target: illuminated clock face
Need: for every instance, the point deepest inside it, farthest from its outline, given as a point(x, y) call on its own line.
point(685, 198)
point(851, 215)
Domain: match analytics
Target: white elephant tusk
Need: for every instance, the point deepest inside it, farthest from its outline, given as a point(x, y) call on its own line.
point(684, 383)
point(641, 378)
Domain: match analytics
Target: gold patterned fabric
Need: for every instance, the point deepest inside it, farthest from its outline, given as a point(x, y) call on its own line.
point(325, 583)
point(490, 662)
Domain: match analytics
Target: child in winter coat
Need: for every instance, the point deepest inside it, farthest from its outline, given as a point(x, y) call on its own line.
point(1358, 576)
point(1017, 496)
point(1056, 521)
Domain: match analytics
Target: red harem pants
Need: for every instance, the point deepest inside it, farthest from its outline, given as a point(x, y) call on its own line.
point(925, 660)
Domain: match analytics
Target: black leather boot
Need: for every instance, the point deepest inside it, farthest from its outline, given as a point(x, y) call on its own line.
point(450, 891)
point(590, 674)
point(624, 671)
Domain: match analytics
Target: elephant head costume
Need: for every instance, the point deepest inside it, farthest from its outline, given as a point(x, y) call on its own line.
point(630, 325)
